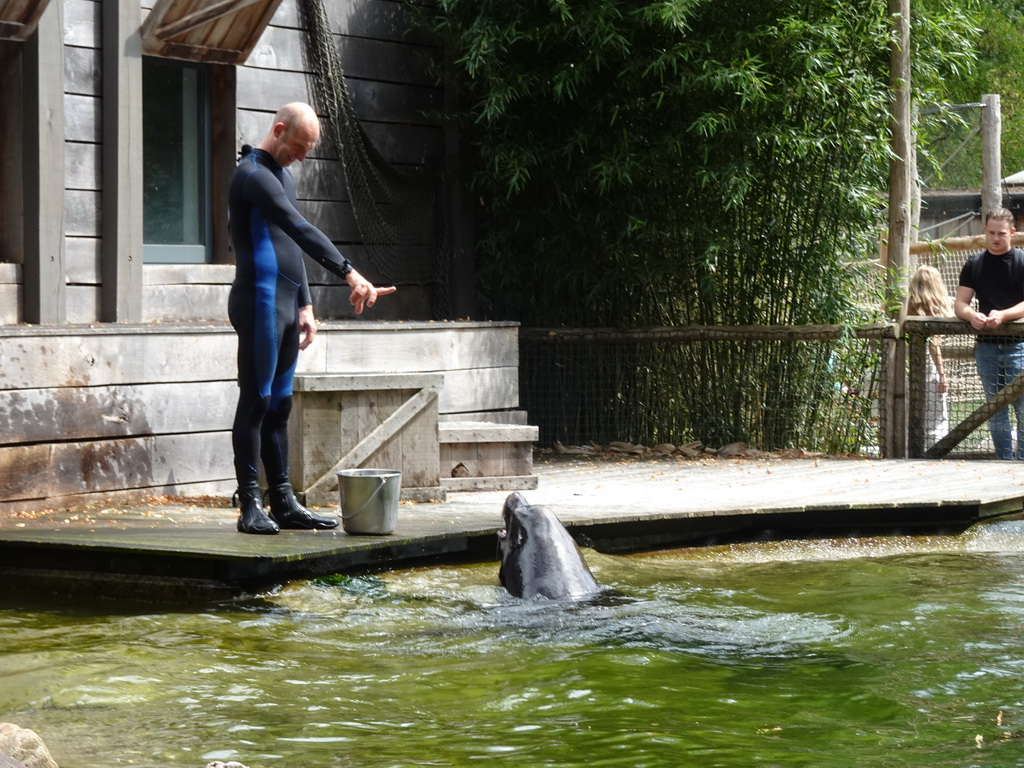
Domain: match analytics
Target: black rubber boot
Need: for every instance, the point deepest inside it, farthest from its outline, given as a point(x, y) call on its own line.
point(252, 518)
point(286, 511)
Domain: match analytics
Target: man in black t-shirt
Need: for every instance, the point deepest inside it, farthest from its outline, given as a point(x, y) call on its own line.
point(996, 278)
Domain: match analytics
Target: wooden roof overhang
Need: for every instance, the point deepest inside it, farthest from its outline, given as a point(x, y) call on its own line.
point(216, 31)
point(18, 18)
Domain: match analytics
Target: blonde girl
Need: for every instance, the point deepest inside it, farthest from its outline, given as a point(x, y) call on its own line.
point(927, 296)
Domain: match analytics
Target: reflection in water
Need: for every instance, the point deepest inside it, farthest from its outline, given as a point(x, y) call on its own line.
point(896, 651)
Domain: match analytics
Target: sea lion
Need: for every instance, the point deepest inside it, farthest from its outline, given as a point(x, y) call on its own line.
point(538, 556)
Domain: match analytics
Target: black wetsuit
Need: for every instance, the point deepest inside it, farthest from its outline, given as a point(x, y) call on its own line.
point(269, 236)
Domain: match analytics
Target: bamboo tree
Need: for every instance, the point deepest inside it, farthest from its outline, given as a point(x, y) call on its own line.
point(683, 162)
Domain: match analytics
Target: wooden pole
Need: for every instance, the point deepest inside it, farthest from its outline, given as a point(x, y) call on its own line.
point(966, 243)
point(121, 227)
point(895, 441)
point(991, 155)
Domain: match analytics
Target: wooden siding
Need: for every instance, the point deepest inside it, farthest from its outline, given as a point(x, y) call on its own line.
point(142, 406)
point(392, 94)
point(109, 412)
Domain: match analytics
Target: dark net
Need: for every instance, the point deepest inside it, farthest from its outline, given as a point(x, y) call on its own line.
point(399, 211)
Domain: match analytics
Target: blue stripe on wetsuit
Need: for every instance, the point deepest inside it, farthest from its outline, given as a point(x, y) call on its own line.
point(265, 338)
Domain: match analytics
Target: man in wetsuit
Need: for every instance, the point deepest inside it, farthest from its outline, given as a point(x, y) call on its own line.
point(271, 310)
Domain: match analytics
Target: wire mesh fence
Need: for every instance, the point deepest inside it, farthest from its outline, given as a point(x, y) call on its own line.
point(965, 393)
point(967, 432)
point(818, 388)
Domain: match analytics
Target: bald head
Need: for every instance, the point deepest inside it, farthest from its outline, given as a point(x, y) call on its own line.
point(295, 132)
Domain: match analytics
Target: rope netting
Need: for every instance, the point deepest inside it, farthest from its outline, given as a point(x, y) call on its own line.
point(677, 385)
point(399, 211)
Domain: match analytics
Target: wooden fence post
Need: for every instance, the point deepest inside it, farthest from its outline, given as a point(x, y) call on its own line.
point(899, 218)
point(991, 156)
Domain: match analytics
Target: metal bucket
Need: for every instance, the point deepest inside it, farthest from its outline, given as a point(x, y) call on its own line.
point(369, 500)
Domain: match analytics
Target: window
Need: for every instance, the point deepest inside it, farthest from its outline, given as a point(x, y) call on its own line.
point(176, 162)
point(12, 150)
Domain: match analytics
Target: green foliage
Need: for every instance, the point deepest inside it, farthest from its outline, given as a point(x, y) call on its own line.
point(681, 162)
point(989, 59)
point(945, 40)
point(685, 161)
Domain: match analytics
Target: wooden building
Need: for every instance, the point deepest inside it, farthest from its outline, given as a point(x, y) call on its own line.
point(121, 128)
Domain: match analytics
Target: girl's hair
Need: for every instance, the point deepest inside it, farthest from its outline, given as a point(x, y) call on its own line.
point(927, 293)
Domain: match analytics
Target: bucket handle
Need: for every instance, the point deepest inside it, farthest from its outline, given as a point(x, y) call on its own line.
point(381, 481)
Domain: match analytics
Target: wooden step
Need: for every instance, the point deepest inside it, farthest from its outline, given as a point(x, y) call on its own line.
point(485, 432)
point(483, 455)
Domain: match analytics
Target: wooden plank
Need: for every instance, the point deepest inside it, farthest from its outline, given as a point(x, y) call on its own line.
point(83, 413)
point(82, 118)
point(334, 382)
point(44, 296)
point(203, 491)
point(158, 463)
point(475, 459)
point(10, 274)
point(389, 451)
point(188, 274)
point(25, 472)
point(185, 303)
point(336, 220)
point(262, 89)
point(320, 178)
point(82, 215)
point(145, 354)
point(82, 71)
point(82, 167)
point(484, 432)
point(480, 389)
point(315, 437)
point(82, 23)
point(419, 451)
point(96, 359)
point(83, 304)
point(446, 347)
point(121, 297)
point(376, 437)
point(492, 417)
point(522, 483)
point(382, 20)
point(83, 260)
point(360, 57)
point(10, 301)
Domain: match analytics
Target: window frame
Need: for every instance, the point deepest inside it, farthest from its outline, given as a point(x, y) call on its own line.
point(199, 253)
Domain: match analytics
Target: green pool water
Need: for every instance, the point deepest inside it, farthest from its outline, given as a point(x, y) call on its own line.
point(862, 652)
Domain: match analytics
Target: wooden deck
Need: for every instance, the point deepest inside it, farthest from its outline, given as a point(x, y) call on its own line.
point(163, 550)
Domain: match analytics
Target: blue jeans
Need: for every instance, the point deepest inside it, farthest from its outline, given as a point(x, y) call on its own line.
point(998, 364)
